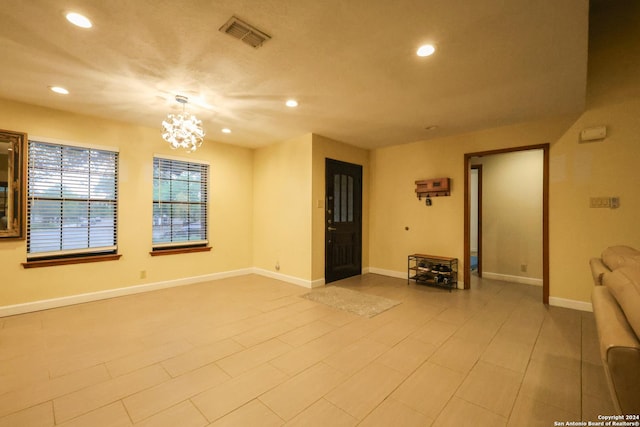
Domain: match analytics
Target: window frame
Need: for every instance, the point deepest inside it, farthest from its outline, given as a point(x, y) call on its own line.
point(79, 254)
point(182, 246)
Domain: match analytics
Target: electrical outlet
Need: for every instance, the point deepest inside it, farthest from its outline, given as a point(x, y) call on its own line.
point(143, 274)
point(523, 268)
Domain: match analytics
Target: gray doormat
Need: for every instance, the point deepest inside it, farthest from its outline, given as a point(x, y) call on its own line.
point(351, 301)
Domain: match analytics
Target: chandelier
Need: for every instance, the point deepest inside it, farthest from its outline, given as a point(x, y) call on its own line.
point(183, 130)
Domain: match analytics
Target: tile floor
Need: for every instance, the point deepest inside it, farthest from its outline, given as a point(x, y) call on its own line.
point(247, 351)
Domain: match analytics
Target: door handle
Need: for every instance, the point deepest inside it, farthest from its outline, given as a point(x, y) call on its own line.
point(331, 228)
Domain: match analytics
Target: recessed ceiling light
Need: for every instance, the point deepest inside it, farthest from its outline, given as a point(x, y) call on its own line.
point(291, 103)
point(79, 20)
point(60, 90)
point(426, 50)
point(226, 130)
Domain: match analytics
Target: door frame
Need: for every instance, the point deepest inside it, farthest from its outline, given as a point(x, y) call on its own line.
point(545, 210)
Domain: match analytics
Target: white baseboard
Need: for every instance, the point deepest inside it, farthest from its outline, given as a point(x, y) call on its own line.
point(515, 279)
point(317, 283)
point(557, 302)
point(554, 301)
point(295, 280)
point(289, 279)
point(399, 274)
point(389, 273)
point(11, 310)
point(569, 303)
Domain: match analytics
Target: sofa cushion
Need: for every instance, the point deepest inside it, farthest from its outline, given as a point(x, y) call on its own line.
point(624, 284)
point(616, 256)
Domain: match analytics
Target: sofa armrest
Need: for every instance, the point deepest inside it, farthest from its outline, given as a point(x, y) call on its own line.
point(620, 351)
point(597, 270)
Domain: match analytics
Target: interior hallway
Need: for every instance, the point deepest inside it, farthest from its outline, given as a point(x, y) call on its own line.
point(248, 351)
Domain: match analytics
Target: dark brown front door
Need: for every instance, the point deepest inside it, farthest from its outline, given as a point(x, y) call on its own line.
point(343, 220)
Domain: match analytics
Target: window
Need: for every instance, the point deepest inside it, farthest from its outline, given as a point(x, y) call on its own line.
point(342, 198)
point(180, 195)
point(72, 197)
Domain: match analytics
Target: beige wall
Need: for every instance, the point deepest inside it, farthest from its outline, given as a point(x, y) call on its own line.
point(289, 195)
point(512, 215)
point(282, 208)
point(262, 212)
point(324, 148)
point(230, 214)
point(577, 172)
point(581, 171)
point(264, 202)
point(606, 168)
point(436, 229)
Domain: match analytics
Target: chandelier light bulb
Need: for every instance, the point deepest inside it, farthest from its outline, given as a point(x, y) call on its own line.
point(183, 130)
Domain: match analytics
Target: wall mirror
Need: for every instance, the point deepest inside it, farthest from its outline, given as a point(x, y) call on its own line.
point(13, 160)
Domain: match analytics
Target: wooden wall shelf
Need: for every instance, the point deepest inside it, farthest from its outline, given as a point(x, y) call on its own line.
point(436, 187)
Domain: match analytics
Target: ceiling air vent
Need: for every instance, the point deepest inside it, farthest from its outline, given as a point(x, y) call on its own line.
point(239, 29)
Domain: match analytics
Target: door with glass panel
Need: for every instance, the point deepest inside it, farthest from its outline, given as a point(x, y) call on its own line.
point(343, 220)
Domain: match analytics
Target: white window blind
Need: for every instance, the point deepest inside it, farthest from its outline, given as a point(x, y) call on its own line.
point(72, 197)
point(180, 195)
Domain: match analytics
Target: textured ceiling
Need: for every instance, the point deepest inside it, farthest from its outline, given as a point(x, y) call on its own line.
point(351, 64)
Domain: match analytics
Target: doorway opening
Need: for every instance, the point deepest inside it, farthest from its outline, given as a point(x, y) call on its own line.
point(475, 234)
point(468, 157)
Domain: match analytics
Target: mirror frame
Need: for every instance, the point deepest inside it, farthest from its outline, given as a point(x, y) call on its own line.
point(16, 184)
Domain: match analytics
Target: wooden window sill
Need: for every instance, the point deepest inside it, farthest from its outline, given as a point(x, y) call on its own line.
point(161, 252)
point(67, 261)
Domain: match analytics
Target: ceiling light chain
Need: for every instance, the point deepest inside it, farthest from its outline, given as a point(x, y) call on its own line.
point(183, 130)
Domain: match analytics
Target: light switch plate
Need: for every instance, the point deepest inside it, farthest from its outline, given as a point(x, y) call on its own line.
point(604, 202)
point(599, 202)
point(615, 202)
